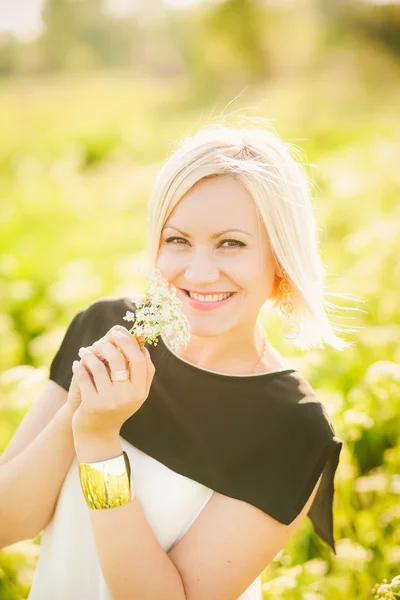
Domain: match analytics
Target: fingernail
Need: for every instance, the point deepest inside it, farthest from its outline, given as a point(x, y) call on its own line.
point(118, 335)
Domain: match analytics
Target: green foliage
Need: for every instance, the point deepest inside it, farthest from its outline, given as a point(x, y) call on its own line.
point(212, 42)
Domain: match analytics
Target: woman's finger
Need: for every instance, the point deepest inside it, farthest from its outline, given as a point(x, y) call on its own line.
point(108, 337)
point(94, 348)
point(112, 358)
point(97, 369)
point(87, 370)
point(118, 353)
point(129, 346)
point(136, 358)
point(84, 381)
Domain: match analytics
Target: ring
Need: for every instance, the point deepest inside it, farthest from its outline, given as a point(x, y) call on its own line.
point(122, 375)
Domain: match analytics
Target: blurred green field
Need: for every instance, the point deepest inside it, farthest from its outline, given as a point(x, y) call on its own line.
point(78, 158)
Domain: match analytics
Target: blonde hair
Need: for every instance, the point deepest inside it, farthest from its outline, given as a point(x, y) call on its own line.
point(279, 185)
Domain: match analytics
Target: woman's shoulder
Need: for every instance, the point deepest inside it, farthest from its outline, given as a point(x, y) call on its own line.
point(111, 306)
point(113, 301)
point(88, 325)
point(307, 411)
point(97, 317)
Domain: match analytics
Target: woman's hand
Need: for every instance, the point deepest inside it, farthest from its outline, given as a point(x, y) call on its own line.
point(105, 405)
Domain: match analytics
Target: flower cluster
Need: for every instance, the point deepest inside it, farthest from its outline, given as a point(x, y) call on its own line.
point(387, 591)
point(159, 313)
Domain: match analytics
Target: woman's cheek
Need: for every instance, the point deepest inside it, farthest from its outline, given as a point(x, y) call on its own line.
point(248, 269)
point(168, 264)
point(163, 260)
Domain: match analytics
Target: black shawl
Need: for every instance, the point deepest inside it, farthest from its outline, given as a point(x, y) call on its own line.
point(264, 439)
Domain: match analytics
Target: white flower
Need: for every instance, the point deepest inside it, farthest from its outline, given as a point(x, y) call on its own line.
point(160, 313)
point(387, 590)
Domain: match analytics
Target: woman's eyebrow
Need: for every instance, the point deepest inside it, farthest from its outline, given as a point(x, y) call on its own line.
point(215, 235)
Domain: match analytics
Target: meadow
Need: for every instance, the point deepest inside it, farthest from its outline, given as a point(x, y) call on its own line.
point(78, 158)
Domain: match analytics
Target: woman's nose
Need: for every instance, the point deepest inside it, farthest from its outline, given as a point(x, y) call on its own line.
point(202, 266)
point(204, 271)
point(201, 274)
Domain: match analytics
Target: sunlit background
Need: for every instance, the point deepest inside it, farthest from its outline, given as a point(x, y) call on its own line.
point(94, 96)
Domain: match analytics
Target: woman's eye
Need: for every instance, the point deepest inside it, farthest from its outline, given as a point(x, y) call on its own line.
point(236, 242)
point(171, 239)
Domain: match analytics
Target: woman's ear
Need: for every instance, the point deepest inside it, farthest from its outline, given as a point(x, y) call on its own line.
point(275, 292)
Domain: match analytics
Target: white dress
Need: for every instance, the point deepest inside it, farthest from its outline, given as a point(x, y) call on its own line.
point(68, 567)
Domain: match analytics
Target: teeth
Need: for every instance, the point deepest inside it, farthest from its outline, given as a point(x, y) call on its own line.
point(210, 297)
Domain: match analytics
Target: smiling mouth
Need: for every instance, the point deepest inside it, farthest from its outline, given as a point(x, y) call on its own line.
point(209, 303)
point(210, 294)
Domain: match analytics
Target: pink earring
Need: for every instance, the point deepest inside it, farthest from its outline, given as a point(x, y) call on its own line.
point(290, 328)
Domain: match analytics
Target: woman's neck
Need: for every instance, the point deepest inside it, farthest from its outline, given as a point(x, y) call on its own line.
point(236, 357)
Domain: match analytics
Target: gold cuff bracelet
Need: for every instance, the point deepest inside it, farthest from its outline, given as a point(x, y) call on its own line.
point(107, 483)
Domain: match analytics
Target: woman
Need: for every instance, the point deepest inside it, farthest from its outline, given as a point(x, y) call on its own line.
point(227, 447)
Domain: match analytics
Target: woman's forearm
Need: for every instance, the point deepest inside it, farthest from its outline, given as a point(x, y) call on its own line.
point(133, 563)
point(31, 481)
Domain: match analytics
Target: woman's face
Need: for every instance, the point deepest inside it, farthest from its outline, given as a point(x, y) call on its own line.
point(194, 255)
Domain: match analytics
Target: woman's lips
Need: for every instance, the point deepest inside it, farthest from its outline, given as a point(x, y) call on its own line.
point(203, 305)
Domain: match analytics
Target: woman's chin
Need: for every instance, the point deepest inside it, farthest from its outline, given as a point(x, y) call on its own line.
point(211, 328)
